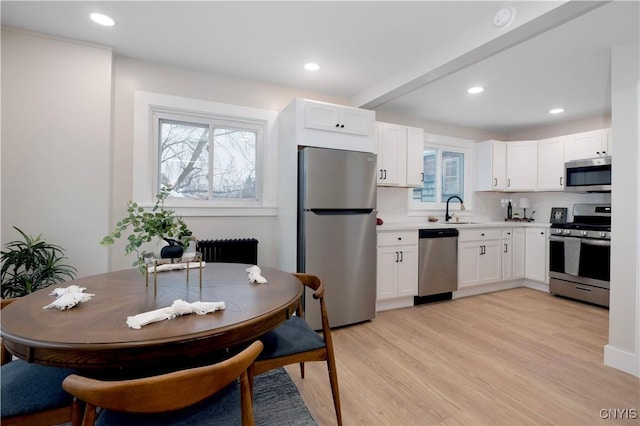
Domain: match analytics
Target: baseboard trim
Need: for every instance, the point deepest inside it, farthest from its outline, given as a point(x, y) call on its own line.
point(628, 362)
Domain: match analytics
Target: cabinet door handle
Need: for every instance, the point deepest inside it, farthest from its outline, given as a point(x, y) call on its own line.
point(401, 256)
point(509, 183)
point(337, 124)
point(422, 177)
point(380, 175)
point(385, 174)
point(342, 126)
point(495, 181)
point(506, 248)
point(560, 180)
point(397, 256)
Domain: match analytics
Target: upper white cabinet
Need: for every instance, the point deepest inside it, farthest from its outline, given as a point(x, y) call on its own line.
point(337, 118)
point(506, 166)
point(522, 166)
point(596, 143)
point(399, 155)
point(490, 158)
point(551, 164)
point(415, 152)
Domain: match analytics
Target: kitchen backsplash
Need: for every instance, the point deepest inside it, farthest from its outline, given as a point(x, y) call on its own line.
point(486, 206)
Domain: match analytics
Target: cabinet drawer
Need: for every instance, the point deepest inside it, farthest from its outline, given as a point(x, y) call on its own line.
point(394, 238)
point(480, 234)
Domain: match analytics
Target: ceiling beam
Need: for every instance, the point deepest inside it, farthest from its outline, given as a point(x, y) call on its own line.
point(556, 16)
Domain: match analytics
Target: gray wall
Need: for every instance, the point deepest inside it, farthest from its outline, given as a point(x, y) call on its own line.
point(56, 138)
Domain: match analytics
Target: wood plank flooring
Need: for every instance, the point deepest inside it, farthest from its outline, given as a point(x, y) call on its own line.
point(515, 357)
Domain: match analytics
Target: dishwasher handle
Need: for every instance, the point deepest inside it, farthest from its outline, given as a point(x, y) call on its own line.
point(438, 233)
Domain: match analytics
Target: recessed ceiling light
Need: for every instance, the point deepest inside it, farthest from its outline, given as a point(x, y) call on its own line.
point(311, 66)
point(504, 17)
point(101, 19)
point(475, 89)
point(556, 111)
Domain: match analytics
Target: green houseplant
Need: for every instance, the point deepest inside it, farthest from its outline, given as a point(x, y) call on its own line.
point(32, 264)
point(143, 226)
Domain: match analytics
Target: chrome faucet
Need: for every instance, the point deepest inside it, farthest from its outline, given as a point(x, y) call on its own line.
point(446, 215)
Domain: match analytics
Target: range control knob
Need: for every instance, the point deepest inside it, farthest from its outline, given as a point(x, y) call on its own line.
point(567, 232)
point(584, 233)
point(603, 234)
point(558, 231)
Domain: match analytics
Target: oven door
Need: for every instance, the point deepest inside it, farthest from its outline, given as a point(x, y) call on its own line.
point(580, 260)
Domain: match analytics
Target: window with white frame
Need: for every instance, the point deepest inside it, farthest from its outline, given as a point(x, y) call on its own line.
point(213, 156)
point(446, 167)
point(208, 159)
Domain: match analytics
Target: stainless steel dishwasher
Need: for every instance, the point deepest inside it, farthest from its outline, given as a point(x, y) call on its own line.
point(438, 264)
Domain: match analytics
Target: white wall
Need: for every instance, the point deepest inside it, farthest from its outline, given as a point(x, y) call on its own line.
point(56, 135)
point(132, 75)
point(623, 350)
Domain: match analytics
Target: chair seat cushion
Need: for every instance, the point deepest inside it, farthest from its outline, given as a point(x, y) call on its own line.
point(223, 408)
point(30, 388)
point(294, 336)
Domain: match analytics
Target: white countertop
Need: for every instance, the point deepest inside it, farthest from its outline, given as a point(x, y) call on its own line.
point(425, 224)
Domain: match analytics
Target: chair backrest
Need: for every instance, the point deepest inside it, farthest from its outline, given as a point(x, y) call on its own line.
point(313, 282)
point(166, 392)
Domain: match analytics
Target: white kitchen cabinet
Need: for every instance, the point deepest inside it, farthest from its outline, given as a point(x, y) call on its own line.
point(507, 254)
point(400, 151)
point(522, 166)
point(551, 164)
point(518, 253)
point(506, 166)
point(479, 256)
point(415, 154)
point(397, 269)
point(536, 251)
point(337, 118)
point(490, 160)
point(595, 143)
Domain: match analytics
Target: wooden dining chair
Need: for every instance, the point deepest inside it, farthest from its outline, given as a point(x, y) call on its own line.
point(32, 394)
point(296, 342)
point(201, 395)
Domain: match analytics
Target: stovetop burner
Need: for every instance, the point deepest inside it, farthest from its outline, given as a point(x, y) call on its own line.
point(590, 221)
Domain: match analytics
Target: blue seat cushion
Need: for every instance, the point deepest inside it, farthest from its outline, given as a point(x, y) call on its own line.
point(294, 336)
point(223, 408)
point(30, 388)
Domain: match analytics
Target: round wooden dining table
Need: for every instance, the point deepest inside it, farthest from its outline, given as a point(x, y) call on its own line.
point(94, 335)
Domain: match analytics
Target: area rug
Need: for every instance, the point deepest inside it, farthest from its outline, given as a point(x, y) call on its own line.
point(278, 402)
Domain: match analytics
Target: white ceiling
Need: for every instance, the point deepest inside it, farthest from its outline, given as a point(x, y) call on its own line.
point(400, 57)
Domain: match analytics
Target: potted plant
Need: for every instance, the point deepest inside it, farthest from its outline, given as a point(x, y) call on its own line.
point(32, 264)
point(144, 226)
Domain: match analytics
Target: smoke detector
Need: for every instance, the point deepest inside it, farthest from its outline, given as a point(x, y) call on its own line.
point(504, 17)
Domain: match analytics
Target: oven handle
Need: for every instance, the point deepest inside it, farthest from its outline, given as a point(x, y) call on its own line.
point(587, 241)
point(601, 243)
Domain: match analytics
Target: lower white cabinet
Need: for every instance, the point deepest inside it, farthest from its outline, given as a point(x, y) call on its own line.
point(518, 252)
point(536, 249)
point(479, 257)
point(397, 269)
point(507, 254)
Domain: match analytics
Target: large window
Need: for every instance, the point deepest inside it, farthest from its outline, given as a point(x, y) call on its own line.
point(219, 159)
point(446, 168)
point(208, 161)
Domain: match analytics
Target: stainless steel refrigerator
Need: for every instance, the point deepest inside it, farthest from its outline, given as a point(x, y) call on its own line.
point(337, 232)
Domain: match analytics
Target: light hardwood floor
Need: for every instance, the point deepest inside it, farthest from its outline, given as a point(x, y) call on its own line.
point(516, 357)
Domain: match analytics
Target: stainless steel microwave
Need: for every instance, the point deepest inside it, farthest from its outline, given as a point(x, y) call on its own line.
point(589, 175)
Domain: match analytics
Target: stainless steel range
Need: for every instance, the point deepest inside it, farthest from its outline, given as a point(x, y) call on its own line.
point(580, 253)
